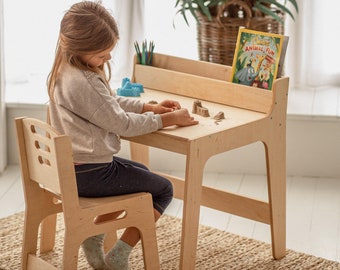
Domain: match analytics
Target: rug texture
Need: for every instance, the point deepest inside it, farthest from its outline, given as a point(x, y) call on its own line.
point(216, 249)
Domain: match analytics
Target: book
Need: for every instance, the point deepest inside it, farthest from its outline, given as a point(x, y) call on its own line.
point(280, 71)
point(258, 58)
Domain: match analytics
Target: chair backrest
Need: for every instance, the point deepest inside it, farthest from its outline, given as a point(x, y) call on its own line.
point(46, 158)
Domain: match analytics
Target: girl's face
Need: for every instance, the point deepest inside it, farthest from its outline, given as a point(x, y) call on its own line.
point(97, 59)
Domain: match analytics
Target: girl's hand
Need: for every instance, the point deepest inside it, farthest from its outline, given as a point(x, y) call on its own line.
point(171, 104)
point(179, 117)
point(162, 107)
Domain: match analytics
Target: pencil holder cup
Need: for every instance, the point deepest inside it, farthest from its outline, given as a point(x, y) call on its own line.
point(144, 55)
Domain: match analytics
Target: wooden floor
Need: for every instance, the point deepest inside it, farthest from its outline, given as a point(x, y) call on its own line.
point(313, 209)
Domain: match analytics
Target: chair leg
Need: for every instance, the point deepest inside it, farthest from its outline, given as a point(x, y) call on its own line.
point(47, 233)
point(70, 252)
point(148, 236)
point(150, 248)
point(276, 173)
point(30, 237)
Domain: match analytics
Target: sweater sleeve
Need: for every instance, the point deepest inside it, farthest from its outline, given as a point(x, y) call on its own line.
point(112, 118)
point(129, 104)
point(86, 95)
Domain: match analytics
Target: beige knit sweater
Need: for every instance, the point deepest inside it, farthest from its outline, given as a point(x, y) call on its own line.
point(85, 109)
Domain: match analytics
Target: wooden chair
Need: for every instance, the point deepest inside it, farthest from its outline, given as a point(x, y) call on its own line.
point(50, 187)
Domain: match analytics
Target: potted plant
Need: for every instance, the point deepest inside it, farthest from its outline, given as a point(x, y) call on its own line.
point(218, 22)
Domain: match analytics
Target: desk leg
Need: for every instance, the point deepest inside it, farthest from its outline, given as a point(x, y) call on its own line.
point(191, 211)
point(139, 153)
point(276, 173)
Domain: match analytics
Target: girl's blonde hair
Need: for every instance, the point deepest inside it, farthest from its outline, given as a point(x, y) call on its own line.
point(86, 28)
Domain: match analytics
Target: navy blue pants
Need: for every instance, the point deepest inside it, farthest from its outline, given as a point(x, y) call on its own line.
point(123, 176)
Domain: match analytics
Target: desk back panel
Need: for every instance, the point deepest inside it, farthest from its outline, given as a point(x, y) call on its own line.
point(204, 81)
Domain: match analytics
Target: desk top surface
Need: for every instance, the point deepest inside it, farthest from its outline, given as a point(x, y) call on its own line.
point(207, 125)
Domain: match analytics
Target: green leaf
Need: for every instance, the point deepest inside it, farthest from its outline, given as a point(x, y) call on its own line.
point(177, 2)
point(279, 6)
point(268, 11)
point(294, 3)
point(181, 11)
point(203, 6)
point(204, 9)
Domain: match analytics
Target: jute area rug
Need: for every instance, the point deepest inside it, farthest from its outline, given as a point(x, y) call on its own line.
point(216, 249)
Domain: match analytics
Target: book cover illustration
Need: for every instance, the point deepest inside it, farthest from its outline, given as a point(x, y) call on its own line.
point(256, 59)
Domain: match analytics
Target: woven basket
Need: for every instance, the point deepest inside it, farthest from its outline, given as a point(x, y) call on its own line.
point(217, 38)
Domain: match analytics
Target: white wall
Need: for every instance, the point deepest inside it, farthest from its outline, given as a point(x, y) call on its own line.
point(3, 156)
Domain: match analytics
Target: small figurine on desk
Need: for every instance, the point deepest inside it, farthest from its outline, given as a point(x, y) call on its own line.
point(218, 117)
point(130, 89)
point(197, 108)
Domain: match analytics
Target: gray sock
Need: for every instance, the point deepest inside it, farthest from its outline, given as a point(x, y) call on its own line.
point(118, 257)
point(94, 252)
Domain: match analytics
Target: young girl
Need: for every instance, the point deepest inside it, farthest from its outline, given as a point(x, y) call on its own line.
point(83, 106)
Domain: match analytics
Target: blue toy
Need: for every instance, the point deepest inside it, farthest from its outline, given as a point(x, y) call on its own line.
point(130, 89)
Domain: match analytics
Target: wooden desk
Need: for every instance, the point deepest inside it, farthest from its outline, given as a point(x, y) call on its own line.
point(251, 115)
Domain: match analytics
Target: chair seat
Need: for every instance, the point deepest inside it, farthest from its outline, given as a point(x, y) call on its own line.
point(90, 202)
